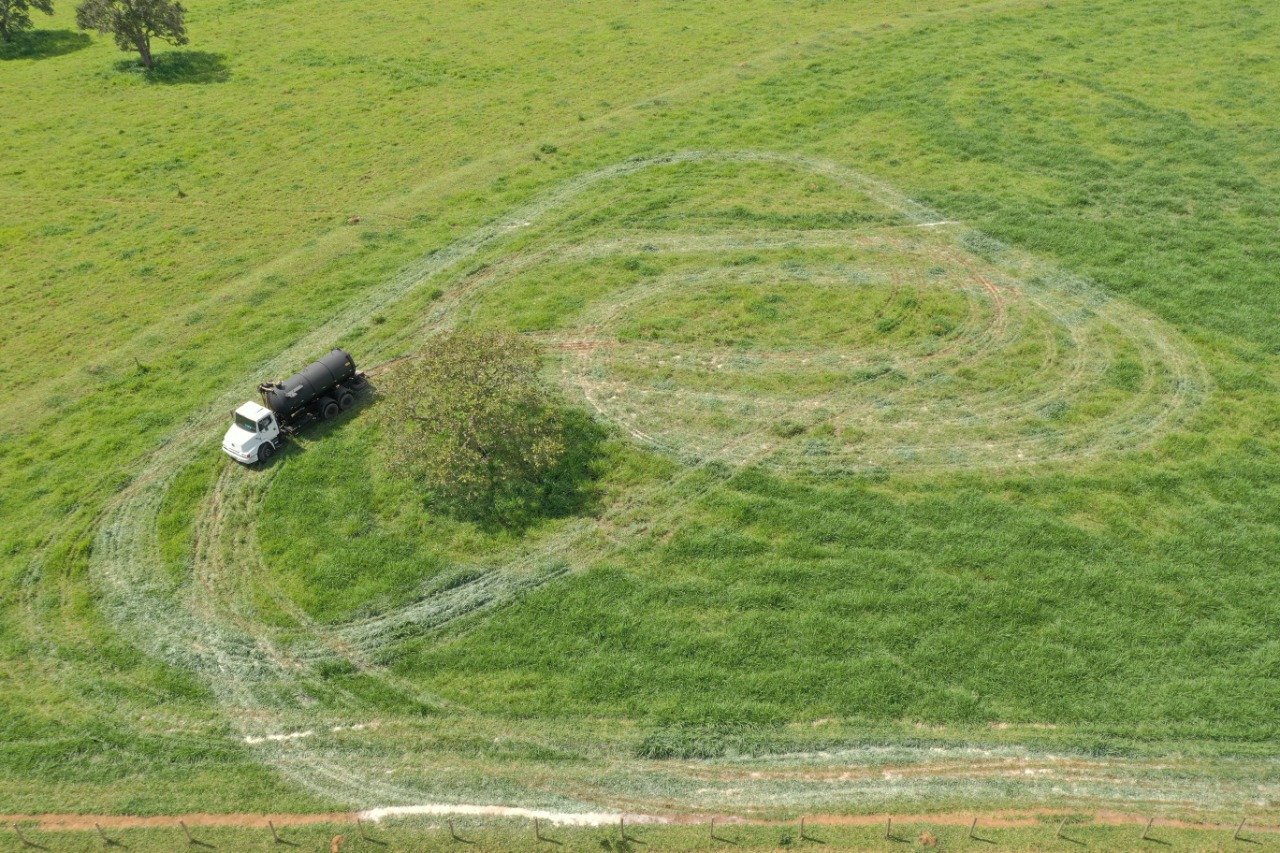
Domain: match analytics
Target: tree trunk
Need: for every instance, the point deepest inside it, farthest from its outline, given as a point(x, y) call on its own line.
point(492, 495)
point(144, 48)
point(4, 30)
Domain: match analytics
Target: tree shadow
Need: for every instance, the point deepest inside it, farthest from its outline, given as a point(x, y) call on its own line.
point(568, 488)
point(178, 67)
point(43, 44)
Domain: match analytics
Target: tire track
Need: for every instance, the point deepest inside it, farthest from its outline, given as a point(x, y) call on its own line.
point(266, 678)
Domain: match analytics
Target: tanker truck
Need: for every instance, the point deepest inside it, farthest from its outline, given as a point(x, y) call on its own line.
point(319, 391)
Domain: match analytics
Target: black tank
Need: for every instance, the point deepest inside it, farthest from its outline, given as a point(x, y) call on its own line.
point(316, 379)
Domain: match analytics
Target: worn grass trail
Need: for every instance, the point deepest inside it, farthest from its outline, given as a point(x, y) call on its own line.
point(278, 686)
point(881, 573)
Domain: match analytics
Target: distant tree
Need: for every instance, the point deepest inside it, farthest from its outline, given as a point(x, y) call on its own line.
point(134, 23)
point(470, 416)
point(15, 15)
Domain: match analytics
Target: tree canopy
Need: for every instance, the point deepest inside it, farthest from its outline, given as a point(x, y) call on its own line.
point(15, 15)
point(134, 23)
point(469, 415)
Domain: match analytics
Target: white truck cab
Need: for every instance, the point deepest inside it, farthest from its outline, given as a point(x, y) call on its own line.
point(254, 436)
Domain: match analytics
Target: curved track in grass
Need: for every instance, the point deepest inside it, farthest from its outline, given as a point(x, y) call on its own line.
point(936, 396)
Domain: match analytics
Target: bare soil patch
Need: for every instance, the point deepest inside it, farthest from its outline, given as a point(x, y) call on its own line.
point(1006, 819)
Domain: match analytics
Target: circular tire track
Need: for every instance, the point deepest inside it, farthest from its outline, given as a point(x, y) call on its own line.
point(266, 679)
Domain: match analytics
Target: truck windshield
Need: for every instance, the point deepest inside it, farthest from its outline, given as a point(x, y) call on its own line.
point(245, 423)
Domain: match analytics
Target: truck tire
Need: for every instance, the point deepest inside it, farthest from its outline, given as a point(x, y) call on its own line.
point(328, 408)
point(265, 452)
point(346, 401)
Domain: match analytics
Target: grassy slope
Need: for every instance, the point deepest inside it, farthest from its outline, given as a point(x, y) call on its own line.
point(1133, 146)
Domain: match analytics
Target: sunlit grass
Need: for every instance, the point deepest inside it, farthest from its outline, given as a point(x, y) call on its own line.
point(162, 236)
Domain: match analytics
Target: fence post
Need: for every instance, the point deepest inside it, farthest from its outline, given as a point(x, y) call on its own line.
point(1147, 828)
point(21, 837)
point(1058, 834)
point(186, 832)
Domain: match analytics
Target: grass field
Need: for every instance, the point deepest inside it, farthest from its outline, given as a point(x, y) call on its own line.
point(931, 352)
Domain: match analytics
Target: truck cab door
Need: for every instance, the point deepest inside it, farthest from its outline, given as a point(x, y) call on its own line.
point(268, 428)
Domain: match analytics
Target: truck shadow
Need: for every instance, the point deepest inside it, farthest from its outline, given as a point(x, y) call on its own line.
point(366, 400)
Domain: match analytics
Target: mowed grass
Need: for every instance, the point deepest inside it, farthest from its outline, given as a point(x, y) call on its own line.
point(940, 597)
point(348, 538)
point(161, 237)
point(780, 602)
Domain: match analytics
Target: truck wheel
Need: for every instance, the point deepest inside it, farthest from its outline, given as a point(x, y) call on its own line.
point(265, 452)
point(346, 401)
point(328, 408)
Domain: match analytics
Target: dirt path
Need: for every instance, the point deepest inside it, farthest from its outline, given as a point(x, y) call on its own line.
point(995, 819)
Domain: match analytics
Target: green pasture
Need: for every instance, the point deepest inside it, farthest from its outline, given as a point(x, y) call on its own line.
point(844, 485)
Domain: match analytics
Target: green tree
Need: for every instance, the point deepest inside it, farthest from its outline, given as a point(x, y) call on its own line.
point(469, 415)
point(15, 15)
point(134, 23)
